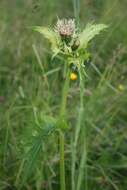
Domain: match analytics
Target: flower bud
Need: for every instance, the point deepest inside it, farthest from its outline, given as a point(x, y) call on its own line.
point(75, 45)
point(73, 76)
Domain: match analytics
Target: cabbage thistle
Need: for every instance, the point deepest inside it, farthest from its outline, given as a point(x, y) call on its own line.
point(67, 41)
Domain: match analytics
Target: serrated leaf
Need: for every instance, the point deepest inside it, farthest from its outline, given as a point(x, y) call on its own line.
point(31, 160)
point(52, 36)
point(89, 33)
point(47, 126)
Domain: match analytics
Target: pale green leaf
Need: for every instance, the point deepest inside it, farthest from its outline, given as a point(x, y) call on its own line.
point(35, 148)
point(51, 35)
point(89, 33)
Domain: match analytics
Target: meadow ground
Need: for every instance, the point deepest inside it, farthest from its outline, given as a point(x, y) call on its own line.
point(30, 89)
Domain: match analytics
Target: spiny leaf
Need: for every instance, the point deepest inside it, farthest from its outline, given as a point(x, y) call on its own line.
point(89, 33)
point(47, 33)
point(52, 36)
point(46, 127)
point(31, 159)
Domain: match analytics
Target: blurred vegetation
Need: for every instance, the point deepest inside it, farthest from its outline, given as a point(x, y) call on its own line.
point(30, 87)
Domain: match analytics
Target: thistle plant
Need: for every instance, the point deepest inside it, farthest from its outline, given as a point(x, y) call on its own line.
point(71, 43)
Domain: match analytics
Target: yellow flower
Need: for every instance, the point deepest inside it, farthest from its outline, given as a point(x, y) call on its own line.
point(73, 76)
point(121, 87)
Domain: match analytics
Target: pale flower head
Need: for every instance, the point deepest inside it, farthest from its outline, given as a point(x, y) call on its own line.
point(65, 27)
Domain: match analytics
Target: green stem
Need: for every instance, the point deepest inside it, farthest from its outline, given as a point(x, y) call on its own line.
point(61, 132)
point(83, 166)
point(62, 166)
point(64, 95)
point(76, 5)
point(78, 128)
point(83, 162)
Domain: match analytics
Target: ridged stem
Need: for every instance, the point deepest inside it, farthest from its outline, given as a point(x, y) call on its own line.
point(77, 131)
point(61, 132)
point(83, 161)
point(62, 165)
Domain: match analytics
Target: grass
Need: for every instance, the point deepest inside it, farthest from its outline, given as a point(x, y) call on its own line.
point(30, 94)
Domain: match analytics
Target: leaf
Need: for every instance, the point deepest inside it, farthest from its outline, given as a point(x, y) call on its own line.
point(52, 36)
point(89, 33)
point(47, 126)
point(31, 159)
point(47, 33)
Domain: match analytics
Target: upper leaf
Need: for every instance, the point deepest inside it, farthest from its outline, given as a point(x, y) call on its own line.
point(52, 36)
point(89, 33)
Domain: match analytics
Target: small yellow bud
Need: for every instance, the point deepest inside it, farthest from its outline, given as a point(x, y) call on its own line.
point(73, 76)
point(121, 87)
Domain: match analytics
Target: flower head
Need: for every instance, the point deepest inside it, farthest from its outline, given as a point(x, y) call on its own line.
point(67, 40)
point(66, 28)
